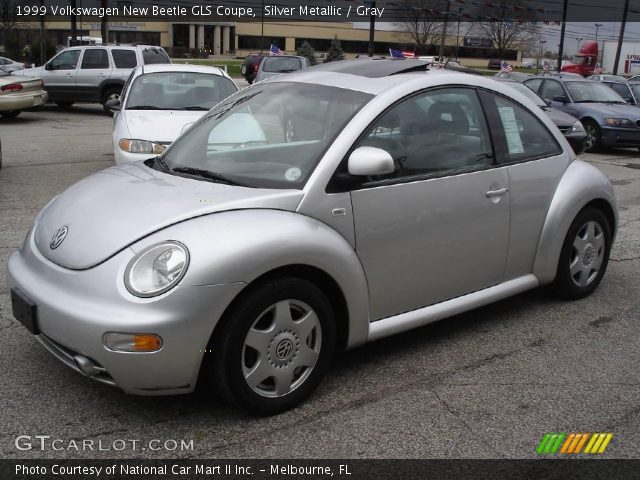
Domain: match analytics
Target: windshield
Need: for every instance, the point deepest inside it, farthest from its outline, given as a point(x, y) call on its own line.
point(592, 92)
point(269, 136)
point(281, 64)
point(155, 55)
point(178, 91)
point(527, 92)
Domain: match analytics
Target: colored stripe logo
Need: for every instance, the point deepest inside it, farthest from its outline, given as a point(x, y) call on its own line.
point(573, 443)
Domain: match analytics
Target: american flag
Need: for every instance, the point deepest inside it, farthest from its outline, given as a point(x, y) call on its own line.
point(505, 67)
point(408, 54)
point(274, 50)
point(396, 53)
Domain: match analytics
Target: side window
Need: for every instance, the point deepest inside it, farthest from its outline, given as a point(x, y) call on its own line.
point(124, 58)
point(534, 84)
point(527, 138)
point(437, 132)
point(552, 89)
point(622, 90)
point(65, 61)
point(94, 59)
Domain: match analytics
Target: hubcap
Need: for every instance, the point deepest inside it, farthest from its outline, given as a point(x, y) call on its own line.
point(587, 254)
point(281, 348)
point(591, 137)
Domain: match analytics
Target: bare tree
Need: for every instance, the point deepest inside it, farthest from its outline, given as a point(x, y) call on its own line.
point(420, 20)
point(509, 27)
point(9, 14)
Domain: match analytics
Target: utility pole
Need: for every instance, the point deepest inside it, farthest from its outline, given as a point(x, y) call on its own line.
point(74, 26)
point(104, 27)
point(372, 29)
point(43, 39)
point(579, 40)
point(562, 30)
point(444, 31)
point(621, 37)
point(598, 25)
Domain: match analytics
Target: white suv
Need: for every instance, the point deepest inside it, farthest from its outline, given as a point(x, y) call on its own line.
point(93, 73)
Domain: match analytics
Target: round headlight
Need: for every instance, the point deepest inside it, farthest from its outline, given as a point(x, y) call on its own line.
point(156, 269)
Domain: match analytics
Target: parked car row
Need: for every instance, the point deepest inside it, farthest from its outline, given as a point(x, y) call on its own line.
point(19, 93)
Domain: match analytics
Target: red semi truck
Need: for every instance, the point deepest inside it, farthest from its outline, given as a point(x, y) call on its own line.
point(585, 60)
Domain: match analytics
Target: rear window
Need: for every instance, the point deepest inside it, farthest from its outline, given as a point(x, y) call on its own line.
point(124, 58)
point(155, 55)
point(281, 64)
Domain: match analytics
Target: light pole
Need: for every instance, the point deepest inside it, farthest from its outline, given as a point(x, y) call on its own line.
point(458, 37)
point(579, 40)
point(542, 42)
point(598, 25)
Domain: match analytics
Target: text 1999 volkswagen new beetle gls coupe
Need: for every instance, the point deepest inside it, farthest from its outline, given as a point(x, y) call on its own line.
point(314, 211)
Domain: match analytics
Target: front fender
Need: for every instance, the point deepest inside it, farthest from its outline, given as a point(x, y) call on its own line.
point(580, 184)
point(242, 245)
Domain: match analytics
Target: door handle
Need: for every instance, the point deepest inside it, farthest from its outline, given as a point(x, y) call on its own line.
point(69, 75)
point(497, 193)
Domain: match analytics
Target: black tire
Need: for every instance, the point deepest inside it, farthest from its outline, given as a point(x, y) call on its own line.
point(10, 113)
point(109, 94)
point(593, 142)
point(231, 360)
point(63, 103)
point(566, 285)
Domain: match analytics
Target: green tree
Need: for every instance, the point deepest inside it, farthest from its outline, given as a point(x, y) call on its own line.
point(335, 51)
point(307, 51)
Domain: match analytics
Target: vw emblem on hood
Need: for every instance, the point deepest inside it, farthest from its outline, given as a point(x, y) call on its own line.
point(58, 237)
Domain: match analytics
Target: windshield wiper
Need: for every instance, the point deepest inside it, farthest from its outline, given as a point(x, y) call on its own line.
point(145, 107)
point(193, 107)
point(208, 174)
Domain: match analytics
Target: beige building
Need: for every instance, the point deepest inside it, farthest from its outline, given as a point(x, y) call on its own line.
point(185, 39)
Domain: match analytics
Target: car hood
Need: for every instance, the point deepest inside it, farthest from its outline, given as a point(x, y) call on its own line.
point(560, 118)
point(113, 208)
point(162, 126)
point(604, 110)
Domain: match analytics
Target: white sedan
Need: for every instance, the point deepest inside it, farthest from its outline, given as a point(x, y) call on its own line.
point(158, 102)
point(10, 65)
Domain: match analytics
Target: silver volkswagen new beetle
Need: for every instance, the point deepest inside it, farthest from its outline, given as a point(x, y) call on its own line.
point(308, 213)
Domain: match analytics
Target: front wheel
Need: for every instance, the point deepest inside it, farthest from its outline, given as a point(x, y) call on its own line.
point(593, 141)
point(274, 346)
point(584, 256)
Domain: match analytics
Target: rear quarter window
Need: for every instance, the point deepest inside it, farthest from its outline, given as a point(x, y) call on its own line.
point(124, 58)
point(155, 55)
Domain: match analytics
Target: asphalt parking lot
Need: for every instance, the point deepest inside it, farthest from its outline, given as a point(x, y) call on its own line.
point(486, 384)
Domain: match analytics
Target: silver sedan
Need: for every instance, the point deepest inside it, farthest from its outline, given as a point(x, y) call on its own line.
point(308, 213)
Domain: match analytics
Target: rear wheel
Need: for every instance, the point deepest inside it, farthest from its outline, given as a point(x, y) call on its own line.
point(274, 346)
point(593, 142)
point(584, 256)
point(10, 113)
point(110, 94)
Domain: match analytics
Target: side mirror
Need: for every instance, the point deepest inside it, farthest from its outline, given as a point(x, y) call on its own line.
point(114, 105)
point(369, 161)
point(561, 99)
point(48, 66)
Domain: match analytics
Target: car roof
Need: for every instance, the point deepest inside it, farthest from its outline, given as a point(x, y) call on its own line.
point(374, 67)
point(367, 76)
point(179, 67)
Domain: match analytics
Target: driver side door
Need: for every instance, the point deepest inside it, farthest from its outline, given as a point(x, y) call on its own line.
point(59, 75)
point(438, 227)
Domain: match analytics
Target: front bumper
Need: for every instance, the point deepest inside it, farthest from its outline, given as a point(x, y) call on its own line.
point(577, 140)
point(22, 101)
point(75, 308)
point(620, 137)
